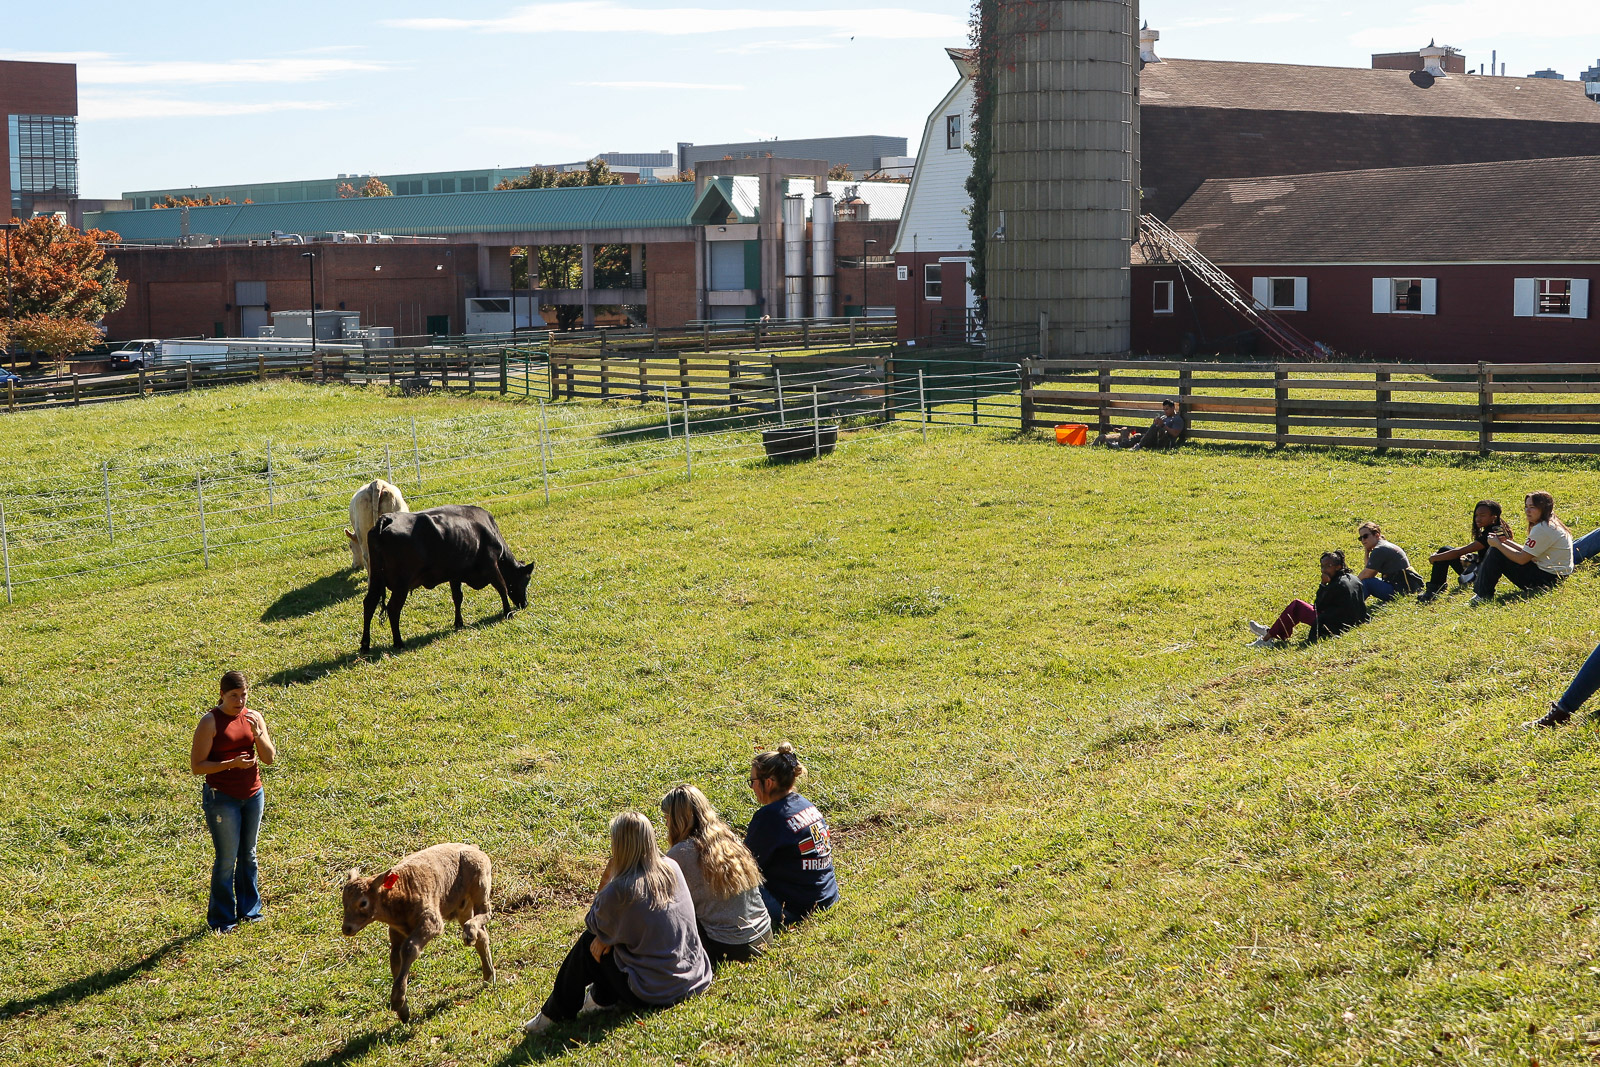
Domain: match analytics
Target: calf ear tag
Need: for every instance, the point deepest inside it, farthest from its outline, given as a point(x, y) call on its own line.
point(391, 879)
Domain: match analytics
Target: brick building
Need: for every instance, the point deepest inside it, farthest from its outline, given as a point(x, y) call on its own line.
point(39, 156)
point(1490, 262)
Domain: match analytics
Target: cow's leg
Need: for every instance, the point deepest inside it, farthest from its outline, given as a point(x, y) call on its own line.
point(455, 595)
point(397, 942)
point(410, 949)
point(475, 932)
point(374, 598)
point(498, 580)
point(397, 602)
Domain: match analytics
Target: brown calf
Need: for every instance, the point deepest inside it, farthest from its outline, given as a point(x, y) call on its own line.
point(415, 898)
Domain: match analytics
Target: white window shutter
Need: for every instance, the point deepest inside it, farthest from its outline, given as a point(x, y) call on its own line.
point(1299, 294)
point(1382, 295)
point(1580, 298)
point(1430, 296)
point(1525, 304)
point(1261, 289)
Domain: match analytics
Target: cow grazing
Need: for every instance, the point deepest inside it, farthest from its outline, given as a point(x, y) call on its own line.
point(457, 543)
point(414, 899)
point(372, 501)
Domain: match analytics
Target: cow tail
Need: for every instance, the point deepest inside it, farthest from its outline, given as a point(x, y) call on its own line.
point(372, 566)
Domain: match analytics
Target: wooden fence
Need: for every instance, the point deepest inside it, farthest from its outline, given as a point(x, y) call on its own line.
point(1486, 407)
point(520, 372)
point(722, 337)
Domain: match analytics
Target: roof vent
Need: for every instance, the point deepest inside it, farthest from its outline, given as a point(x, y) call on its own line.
point(1147, 44)
point(1433, 59)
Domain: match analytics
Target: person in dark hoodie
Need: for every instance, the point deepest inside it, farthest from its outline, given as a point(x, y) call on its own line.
point(1486, 520)
point(1340, 604)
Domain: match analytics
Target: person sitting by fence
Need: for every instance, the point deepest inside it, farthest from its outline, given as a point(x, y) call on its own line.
point(1340, 604)
point(790, 840)
point(1464, 561)
point(641, 949)
point(1387, 571)
point(1539, 562)
point(1167, 430)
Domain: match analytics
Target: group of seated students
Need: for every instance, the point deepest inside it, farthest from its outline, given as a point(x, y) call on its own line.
point(660, 924)
point(1548, 555)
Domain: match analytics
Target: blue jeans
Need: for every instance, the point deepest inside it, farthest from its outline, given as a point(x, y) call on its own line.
point(1377, 587)
point(785, 914)
point(1584, 683)
point(235, 888)
point(1586, 547)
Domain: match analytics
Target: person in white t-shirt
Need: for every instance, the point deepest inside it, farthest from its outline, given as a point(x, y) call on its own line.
point(1542, 560)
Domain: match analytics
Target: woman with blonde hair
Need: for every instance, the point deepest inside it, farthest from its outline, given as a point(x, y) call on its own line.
point(789, 839)
point(641, 949)
point(723, 878)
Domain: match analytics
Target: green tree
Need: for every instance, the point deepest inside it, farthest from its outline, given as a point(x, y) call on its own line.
point(595, 172)
point(191, 201)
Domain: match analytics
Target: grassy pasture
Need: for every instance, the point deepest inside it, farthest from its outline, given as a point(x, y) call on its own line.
point(1077, 820)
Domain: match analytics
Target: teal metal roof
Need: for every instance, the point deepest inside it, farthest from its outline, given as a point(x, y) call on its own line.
point(740, 194)
point(592, 207)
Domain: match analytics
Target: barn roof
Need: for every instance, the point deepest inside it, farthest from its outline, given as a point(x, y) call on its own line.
point(1534, 210)
point(1212, 83)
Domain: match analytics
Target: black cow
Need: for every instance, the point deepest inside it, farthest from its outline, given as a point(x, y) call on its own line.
point(457, 543)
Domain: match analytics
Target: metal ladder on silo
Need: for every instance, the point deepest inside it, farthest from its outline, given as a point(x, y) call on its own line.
point(1161, 243)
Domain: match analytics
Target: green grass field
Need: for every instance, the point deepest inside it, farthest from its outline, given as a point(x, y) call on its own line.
point(1077, 820)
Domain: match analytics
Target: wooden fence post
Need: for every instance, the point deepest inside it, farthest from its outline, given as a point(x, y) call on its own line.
point(655, 340)
point(644, 381)
point(188, 375)
point(683, 377)
point(1382, 396)
point(261, 368)
point(505, 373)
point(605, 375)
point(1485, 409)
point(11, 393)
point(1023, 374)
point(733, 373)
point(1280, 407)
point(472, 373)
point(75, 400)
point(1104, 402)
point(141, 383)
point(705, 337)
point(805, 333)
point(391, 368)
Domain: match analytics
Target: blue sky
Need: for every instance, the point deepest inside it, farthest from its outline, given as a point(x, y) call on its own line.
point(295, 90)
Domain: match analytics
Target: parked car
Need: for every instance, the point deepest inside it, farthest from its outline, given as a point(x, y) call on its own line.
point(9, 376)
point(135, 354)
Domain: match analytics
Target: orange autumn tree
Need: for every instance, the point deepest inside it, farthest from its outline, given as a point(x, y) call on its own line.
point(62, 284)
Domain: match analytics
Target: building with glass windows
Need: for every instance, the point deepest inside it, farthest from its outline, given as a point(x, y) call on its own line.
point(40, 162)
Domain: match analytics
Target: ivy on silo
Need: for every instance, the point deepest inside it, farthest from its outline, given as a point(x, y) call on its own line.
point(985, 45)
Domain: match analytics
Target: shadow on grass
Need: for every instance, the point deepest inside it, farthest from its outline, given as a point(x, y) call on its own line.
point(357, 1047)
point(98, 982)
point(310, 672)
point(314, 596)
point(565, 1038)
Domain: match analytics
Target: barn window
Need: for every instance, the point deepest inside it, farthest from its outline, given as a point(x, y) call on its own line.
point(952, 131)
point(1407, 294)
point(1552, 298)
point(1555, 296)
point(1162, 299)
point(932, 281)
point(1283, 294)
point(1280, 294)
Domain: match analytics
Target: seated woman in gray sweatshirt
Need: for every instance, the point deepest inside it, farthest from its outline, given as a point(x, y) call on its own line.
point(722, 875)
point(641, 948)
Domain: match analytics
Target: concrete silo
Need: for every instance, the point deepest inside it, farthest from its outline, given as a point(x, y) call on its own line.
point(1063, 196)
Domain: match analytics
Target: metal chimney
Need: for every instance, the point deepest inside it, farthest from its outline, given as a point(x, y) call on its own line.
point(822, 255)
point(794, 257)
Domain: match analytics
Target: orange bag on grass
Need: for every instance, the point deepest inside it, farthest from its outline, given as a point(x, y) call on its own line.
point(1072, 433)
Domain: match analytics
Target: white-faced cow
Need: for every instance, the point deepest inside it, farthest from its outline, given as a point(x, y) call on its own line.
point(457, 543)
point(372, 502)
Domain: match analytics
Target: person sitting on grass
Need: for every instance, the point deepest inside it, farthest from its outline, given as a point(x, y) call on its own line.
point(789, 840)
point(1340, 604)
point(723, 878)
point(1538, 563)
point(1581, 688)
point(1166, 431)
point(1464, 561)
point(1586, 547)
point(641, 949)
point(1387, 572)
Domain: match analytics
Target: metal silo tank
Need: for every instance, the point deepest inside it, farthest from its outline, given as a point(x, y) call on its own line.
point(794, 257)
point(822, 255)
point(1064, 174)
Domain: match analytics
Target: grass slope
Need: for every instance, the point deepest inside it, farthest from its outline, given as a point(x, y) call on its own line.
point(1077, 820)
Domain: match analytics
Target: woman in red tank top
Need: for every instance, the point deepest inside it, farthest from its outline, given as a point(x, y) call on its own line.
point(230, 743)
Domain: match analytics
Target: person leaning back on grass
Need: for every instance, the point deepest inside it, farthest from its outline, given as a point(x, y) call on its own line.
point(723, 878)
point(789, 839)
point(1543, 560)
point(230, 743)
point(641, 948)
point(1340, 604)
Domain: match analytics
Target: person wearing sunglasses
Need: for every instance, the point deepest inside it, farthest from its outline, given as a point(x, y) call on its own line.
point(789, 840)
point(1387, 572)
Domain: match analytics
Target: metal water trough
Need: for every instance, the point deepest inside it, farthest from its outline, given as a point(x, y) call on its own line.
point(790, 444)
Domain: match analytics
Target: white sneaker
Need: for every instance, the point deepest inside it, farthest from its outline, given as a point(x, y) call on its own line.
point(589, 1005)
point(538, 1024)
point(1258, 629)
point(1262, 642)
point(1466, 579)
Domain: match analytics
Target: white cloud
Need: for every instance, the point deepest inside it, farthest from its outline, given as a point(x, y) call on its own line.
point(610, 16)
point(662, 85)
point(793, 44)
point(1485, 20)
point(105, 68)
point(122, 106)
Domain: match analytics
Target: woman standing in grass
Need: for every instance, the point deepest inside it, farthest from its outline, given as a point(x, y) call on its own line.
point(641, 948)
point(722, 876)
point(1341, 604)
point(1541, 561)
point(789, 840)
point(230, 743)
